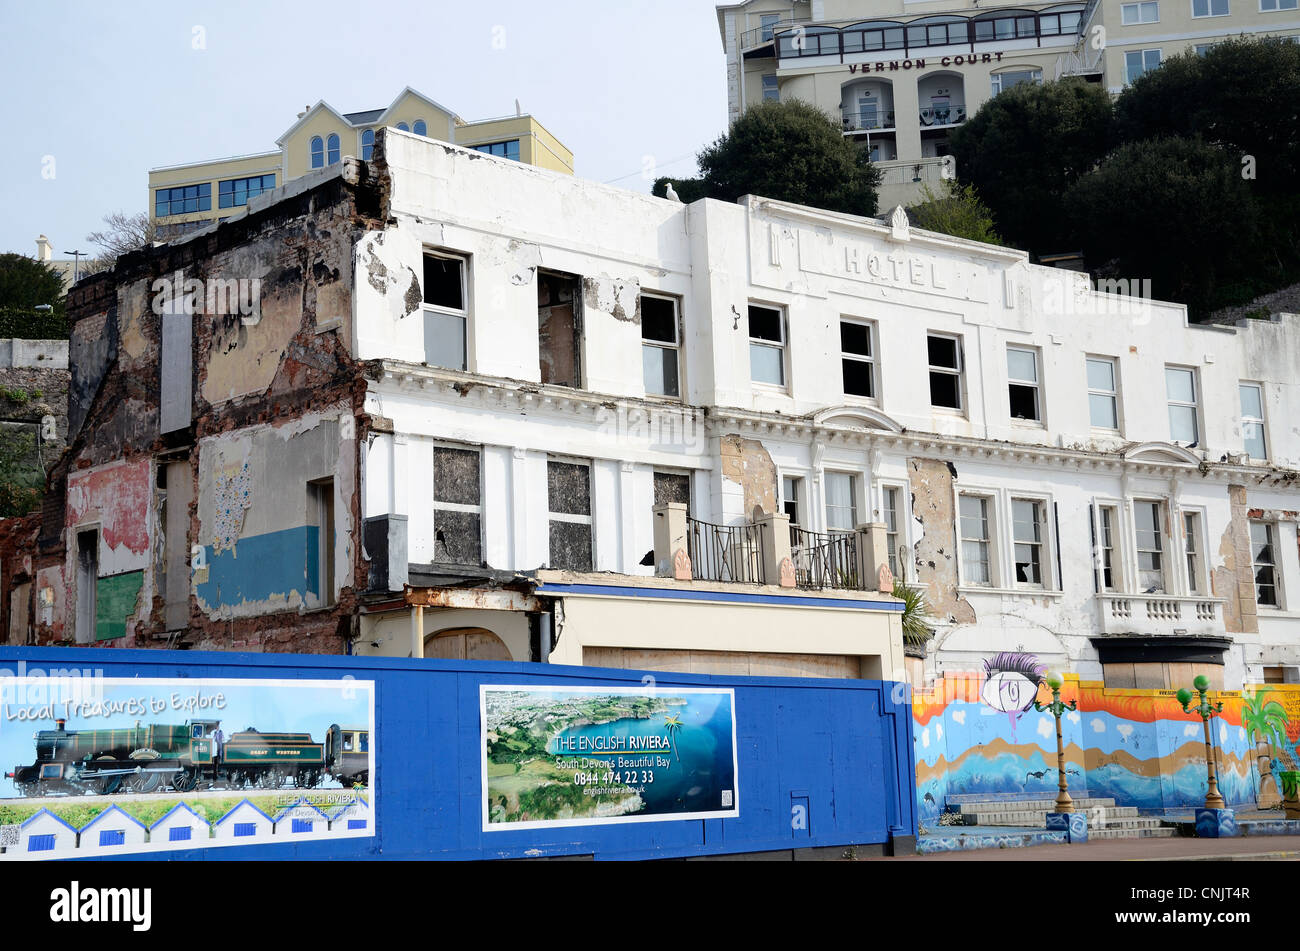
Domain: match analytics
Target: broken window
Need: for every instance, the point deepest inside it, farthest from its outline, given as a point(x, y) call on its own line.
point(945, 371)
point(320, 541)
point(457, 506)
point(445, 311)
point(660, 347)
point(568, 490)
point(1023, 384)
point(766, 345)
point(1028, 532)
point(559, 328)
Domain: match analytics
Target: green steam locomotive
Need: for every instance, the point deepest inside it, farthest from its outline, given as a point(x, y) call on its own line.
point(179, 757)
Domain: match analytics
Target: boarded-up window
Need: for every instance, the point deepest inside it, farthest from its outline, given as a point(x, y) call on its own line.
point(673, 487)
point(457, 506)
point(568, 489)
point(559, 328)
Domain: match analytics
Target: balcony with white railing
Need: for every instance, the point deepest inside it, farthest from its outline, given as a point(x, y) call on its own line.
point(762, 35)
point(1160, 614)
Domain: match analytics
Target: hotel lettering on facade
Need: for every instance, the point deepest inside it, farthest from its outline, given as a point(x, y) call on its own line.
point(502, 412)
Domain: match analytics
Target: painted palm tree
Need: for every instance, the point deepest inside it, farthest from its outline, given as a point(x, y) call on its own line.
point(1265, 722)
point(673, 724)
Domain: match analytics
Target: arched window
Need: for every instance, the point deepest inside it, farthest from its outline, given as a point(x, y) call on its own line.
point(367, 144)
point(404, 127)
point(333, 148)
point(317, 152)
point(420, 128)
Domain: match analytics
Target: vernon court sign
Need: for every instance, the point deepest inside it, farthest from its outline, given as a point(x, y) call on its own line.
point(893, 65)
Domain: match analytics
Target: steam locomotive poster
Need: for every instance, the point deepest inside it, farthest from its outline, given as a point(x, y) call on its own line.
point(96, 766)
point(587, 755)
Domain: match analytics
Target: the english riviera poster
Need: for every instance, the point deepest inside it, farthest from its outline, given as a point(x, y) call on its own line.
point(594, 755)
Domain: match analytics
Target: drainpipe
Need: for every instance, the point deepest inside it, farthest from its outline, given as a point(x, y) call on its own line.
point(417, 630)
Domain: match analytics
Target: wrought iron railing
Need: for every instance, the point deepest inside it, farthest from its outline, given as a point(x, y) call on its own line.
point(953, 114)
point(825, 559)
point(855, 120)
point(725, 552)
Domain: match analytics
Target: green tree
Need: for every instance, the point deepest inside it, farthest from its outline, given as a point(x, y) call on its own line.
point(26, 283)
point(916, 615)
point(1173, 210)
point(1243, 94)
point(957, 210)
point(1024, 149)
point(790, 151)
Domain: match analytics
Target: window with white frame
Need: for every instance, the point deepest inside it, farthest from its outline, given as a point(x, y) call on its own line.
point(792, 500)
point(568, 493)
point(841, 501)
point(457, 505)
point(1010, 78)
point(945, 371)
point(768, 22)
point(1209, 8)
point(858, 358)
point(1270, 6)
point(660, 345)
point(1203, 48)
point(1132, 14)
point(1149, 521)
point(976, 539)
point(1138, 62)
point(1252, 420)
point(1264, 562)
point(892, 515)
point(1107, 528)
point(1193, 544)
point(1029, 532)
point(1180, 387)
point(1103, 393)
point(1023, 387)
point(445, 311)
point(771, 88)
point(767, 344)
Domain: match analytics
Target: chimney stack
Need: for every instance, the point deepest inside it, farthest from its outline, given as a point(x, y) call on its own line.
point(43, 250)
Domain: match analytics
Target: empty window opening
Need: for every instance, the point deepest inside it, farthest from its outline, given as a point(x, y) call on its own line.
point(559, 328)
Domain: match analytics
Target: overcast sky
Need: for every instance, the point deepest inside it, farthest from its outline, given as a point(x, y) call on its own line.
point(95, 94)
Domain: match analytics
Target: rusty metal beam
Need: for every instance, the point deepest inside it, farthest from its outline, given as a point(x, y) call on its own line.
point(486, 599)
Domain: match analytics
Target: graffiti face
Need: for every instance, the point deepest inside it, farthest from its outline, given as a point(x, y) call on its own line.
point(1009, 691)
point(1012, 683)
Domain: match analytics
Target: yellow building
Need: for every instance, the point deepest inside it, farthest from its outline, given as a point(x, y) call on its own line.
point(186, 197)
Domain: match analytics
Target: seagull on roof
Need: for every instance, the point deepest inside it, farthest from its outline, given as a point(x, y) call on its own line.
point(671, 192)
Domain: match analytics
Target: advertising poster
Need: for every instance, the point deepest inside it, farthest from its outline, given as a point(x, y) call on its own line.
point(590, 755)
point(93, 766)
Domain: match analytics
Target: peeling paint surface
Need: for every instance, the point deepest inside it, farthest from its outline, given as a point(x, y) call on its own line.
point(747, 464)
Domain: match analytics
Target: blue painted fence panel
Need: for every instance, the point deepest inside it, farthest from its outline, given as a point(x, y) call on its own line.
point(840, 748)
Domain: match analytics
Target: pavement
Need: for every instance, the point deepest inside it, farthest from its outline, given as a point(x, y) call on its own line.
point(1177, 849)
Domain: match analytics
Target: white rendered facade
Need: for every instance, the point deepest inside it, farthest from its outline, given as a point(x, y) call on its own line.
point(886, 454)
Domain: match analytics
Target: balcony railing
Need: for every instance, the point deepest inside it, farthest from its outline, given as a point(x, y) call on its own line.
point(825, 560)
point(725, 552)
point(858, 121)
point(1160, 614)
point(765, 34)
point(952, 114)
point(794, 42)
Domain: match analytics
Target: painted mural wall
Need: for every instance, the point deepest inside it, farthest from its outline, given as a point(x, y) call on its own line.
point(979, 734)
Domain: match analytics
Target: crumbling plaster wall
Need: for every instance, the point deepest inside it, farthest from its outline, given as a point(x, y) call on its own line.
point(749, 477)
point(935, 549)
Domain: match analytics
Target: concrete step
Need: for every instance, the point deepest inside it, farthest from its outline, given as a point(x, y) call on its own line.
point(1029, 805)
point(1163, 832)
point(1127, 820)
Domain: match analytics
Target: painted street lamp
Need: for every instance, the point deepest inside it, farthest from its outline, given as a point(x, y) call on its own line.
point(1207, 711)
point(1064, 803)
